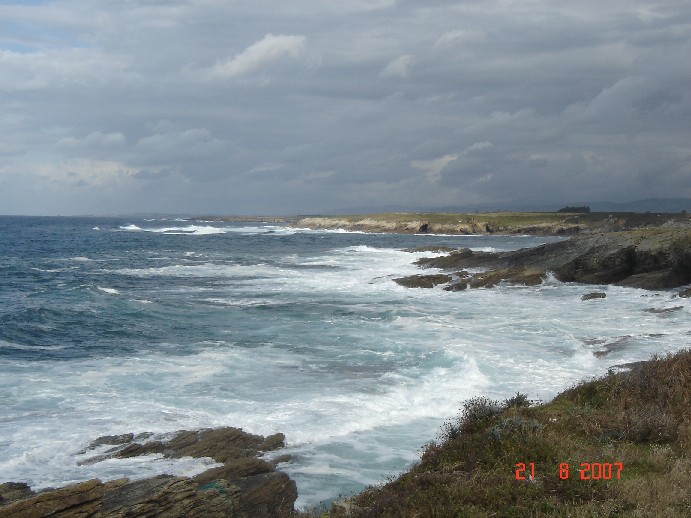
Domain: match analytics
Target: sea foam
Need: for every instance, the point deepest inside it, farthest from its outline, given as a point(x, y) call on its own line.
point(285, 330)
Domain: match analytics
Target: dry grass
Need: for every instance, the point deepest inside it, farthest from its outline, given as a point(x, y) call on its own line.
point(640, 419)
point(501, 222)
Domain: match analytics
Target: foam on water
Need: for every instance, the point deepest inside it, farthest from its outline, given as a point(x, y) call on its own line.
point(308, 339)
point(110, 291)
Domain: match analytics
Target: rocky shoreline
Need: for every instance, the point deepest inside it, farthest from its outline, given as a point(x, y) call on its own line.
point(503, 223)
point(243, 485)
point(653, 259)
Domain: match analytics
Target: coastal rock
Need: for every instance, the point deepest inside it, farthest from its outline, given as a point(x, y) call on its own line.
point(244, 486)
point(594, 295)
point(463, 258)
point(658, 258)
point(522, 276)
point(457, 286)
point(12, 491)
point(685, 294)
point(83, 499)
point(423, 281)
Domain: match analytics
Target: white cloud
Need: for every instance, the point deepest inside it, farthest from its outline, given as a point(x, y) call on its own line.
point(434, 167)
point(63, 67)
point(270, 48)
point(459, 36)
point(96, 139)
point(389, 92)
point(315, 176)
point(478, 146)
point(399, 67)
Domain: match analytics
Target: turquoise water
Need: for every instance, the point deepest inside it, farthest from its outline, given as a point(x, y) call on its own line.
point(122, 325)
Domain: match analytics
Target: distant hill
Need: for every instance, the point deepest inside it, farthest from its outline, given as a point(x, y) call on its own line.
point(671, 205)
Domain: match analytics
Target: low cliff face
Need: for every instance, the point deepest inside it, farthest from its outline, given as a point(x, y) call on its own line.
point(534, 223)
point(440, 224)
point(657, 258)
point(243, 486)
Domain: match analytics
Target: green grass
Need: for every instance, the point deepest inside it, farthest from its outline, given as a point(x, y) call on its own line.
point(509, 221)
point(640, 419)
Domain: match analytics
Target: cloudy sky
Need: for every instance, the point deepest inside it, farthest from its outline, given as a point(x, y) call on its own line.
point(304, 106)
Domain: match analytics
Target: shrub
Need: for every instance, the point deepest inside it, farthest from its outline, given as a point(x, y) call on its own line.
point(583, 209)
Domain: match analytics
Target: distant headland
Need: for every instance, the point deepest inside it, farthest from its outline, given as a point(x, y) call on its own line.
point(560, 223)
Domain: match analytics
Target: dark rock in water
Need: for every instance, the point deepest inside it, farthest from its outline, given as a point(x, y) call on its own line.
point(457, 286)
point(523, 276)
point(658, 258)
point(594, 295)
point(663, 311)
point(112, 440)
point(463, 258)
point(244, 486)
point(685, 294)
point(423, 281)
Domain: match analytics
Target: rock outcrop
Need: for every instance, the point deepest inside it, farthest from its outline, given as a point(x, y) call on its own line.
point(651, 258)
point(244, 486)
point(535, 223)
point(594, 295)
point(423, 281)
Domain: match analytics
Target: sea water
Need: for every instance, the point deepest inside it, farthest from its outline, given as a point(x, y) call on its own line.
point(117, 325)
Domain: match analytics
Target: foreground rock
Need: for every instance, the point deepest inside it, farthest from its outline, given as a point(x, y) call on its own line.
point(243, 486)
point(651, 258)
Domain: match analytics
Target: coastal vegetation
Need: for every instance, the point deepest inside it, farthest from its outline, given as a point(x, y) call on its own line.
point(538, 223)
point(613, 446)
point(582, 209)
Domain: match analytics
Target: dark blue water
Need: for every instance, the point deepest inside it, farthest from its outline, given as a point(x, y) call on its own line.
point(51, 270)
point(116, 325)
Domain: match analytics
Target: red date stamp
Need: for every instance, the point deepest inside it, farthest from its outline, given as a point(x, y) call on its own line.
point(587, 471)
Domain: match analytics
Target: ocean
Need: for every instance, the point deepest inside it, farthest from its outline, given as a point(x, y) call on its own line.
point(134, 324)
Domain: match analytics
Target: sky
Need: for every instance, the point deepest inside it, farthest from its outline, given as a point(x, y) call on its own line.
point(313, 106)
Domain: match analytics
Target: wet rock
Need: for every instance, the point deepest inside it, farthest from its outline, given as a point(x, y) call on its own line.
point(594, 295)
point(83, 499)
point(463, 258)
point(522, 276)
point(423, 281)
point(244, 486)
point(654, 259)
point(111, 440)
point(663, 311)
point(685, 294)
point(424, 228)
point(12, 491)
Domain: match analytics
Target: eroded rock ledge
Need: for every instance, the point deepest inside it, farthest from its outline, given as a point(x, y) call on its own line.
point(243, 486)
point(653, 259)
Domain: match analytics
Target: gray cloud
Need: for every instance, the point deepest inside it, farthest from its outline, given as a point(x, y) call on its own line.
point(264, 106)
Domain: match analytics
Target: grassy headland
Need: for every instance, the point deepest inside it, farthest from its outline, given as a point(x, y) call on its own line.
point(614, 446)
point(540, 223)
